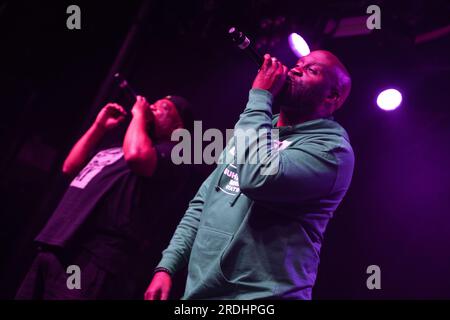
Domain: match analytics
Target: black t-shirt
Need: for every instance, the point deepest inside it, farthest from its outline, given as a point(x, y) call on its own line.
point(113, 212)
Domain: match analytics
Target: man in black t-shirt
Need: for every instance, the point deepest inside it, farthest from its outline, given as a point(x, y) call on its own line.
point(97, 241)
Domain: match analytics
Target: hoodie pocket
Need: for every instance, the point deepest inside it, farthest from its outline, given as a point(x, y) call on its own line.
point(208, 246)
point(204, 265)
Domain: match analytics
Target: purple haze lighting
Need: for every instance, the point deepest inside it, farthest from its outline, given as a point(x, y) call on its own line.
point(298, 45)
point(389, 99)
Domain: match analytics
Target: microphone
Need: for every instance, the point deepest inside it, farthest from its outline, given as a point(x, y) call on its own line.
point(244, 43)
point(123, 84)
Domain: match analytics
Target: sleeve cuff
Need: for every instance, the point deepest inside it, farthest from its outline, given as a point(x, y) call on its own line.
point(260, 95)
point(169, 263)
point(259, 99)
point(162, 269)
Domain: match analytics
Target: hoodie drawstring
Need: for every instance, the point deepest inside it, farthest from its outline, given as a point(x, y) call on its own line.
point(233, 202)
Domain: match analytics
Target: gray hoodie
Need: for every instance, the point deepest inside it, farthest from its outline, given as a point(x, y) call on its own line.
point(250, 235)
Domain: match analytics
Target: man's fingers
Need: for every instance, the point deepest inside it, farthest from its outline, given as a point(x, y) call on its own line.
point(121, 109)
point(283, 73)
point(277, 64)
point(165, 295)
point(267, 62)
point(154, 294)
point(280, 68)
point(271, 64)
point(271, 75)
point(110, 109)
point(141, 100)
point(118, 107)
point(149, 295)
point(115, 106)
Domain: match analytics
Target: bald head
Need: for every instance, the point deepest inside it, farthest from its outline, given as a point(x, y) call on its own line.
point(340, 78)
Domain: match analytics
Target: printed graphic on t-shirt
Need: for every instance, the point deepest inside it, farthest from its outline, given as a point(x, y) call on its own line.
point(95, 166)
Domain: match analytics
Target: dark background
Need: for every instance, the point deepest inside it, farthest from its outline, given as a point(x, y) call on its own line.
point(397, 212)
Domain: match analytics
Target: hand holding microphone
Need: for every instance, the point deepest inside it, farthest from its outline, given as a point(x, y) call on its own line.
point(141, 108)
point(272, 75)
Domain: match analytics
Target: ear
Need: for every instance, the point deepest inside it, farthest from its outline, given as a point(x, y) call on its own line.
point(333, 98)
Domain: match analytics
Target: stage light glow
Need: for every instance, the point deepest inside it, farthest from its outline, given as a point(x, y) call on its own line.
point(298, 45)
point(389, 99)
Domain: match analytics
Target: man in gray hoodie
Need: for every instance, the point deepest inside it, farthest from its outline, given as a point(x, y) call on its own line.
point(248, 234)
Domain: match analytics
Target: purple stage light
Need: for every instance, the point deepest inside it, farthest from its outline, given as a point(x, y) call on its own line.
point(389, 99)
point(298, 45)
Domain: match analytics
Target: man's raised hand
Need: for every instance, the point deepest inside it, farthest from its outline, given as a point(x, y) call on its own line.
point(271, 76)
point(111, 115)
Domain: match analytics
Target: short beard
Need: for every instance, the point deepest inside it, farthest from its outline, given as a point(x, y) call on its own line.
point(296, 97)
